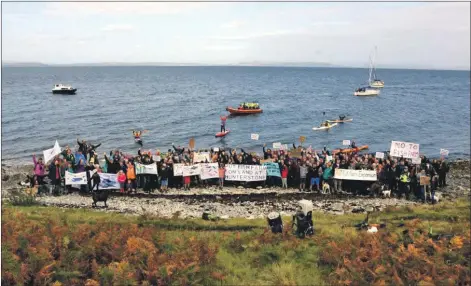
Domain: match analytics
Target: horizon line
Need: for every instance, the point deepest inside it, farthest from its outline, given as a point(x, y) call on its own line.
point(248, 64)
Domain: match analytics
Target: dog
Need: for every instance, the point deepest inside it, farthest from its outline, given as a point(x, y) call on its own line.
point(436, 197)
point(325, 188)
point(101, 196)
point(387, 193)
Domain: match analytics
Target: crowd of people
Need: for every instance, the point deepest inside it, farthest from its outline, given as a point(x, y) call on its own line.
point(300, 167)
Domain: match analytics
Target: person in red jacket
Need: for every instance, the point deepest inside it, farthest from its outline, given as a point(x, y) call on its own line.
point(284, 176)
point(121, 180)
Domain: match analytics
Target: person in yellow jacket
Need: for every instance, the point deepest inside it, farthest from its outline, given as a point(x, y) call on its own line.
point(404, 181)
point(131, 176)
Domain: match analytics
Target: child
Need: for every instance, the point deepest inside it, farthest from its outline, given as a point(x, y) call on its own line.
point(222, 173)
point(131, 175)
point(121, 181)
point(186, 183)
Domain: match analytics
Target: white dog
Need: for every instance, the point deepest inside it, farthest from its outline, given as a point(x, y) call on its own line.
point(436, 197)
point(325, 188)
point(387, 193)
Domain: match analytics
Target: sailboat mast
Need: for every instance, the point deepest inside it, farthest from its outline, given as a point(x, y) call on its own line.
point(371, 70)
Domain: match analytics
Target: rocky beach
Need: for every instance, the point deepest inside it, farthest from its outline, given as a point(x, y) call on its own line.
point(233, 202)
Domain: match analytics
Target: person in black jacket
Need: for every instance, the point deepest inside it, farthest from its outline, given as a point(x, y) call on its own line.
point(91, 150)
point(442, 171)
point(113, 166)
point(55, 176)
point(267, 154)
point(95, 178)
point(83, 147)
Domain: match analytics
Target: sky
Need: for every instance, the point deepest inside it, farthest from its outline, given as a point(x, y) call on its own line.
point(408, 35)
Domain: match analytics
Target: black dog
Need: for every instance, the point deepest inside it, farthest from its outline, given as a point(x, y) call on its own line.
point(101, 196)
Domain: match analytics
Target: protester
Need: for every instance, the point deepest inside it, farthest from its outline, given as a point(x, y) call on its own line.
point(39, 170)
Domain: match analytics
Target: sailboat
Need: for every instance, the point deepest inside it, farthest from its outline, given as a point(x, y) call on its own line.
point(375, 82)
point(367, 90)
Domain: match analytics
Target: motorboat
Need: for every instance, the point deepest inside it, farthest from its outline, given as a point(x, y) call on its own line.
point(366, 91)
point(63, 89)
point(241, 111)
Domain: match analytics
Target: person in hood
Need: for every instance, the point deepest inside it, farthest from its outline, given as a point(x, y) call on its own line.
point(39, 170)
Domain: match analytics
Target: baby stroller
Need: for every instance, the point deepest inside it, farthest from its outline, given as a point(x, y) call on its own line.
point(303, 219)
point(275, 222)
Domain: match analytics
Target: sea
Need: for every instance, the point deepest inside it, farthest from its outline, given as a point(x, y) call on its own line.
point(428, 107)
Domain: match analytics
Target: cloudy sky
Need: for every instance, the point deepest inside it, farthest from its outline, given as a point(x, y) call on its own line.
point(424, 35)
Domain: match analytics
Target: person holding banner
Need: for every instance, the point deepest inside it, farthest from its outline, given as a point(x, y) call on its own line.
point(95, 178)
point(222, 174)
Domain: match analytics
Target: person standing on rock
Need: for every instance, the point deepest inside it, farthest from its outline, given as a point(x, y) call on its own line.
point(284, 176)
point(302, 177)
point(39, 169)
point(442, 171)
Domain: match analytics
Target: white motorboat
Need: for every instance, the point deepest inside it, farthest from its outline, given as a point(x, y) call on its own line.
point(366, 91)
point(63, 89)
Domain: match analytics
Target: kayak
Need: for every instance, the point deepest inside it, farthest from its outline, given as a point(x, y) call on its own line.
point(138, 141)
point(340, 121)
point(350, 150)
point(325, 127)
point(222, 134)
point(243, 111)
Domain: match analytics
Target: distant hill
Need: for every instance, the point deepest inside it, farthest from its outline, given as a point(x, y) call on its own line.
point(23, 64)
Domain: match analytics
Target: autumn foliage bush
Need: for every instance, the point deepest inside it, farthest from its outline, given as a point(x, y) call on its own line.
point(408, 256)
point(46, 252)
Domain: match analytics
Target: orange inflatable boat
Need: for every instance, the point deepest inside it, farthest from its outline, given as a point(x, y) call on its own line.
point(236, 111)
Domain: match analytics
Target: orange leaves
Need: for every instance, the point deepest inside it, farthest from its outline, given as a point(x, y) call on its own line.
point(456, 243)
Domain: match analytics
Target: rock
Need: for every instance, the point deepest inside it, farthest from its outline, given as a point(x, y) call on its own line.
point(5, 178)
point(337, 207)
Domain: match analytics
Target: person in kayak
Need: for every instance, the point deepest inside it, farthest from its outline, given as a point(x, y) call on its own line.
point(342, 117)
point(137, 136)
point(223, 123)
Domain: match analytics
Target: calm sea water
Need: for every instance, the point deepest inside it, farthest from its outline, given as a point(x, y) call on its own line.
point(431, 108)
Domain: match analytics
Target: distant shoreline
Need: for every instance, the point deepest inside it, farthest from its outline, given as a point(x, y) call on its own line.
point(245, 65)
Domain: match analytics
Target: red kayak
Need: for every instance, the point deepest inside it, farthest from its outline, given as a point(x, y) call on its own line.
point(222, 134)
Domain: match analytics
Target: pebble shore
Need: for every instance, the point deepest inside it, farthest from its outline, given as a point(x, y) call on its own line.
point(190, 204)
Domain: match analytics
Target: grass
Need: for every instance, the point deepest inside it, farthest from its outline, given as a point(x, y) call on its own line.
point(46, 245)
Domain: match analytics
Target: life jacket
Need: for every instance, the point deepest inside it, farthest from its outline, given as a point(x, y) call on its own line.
point(404, 178)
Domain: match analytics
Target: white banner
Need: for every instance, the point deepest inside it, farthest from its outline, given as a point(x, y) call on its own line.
point(277, 145)
point(192, 170)
point(216, 149)
point(209, 171)
point(346, 143)
point(108, 181)
point(379, 155)
point(284, 147)
point(246, 173)
point(49, 154)
point(146, 169)
point(356, 175)
point(178, 169)
point(404, 149)
point(156, 158)
point(416, 161)
point(328, 158)
point(75, 178)
point(254, 136)
point(201, 157)
point(444, 152)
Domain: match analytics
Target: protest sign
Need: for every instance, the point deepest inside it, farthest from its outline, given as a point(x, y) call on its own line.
point(146, 169)
point(49, 154)
point(178, 169)
point(356, 175)
point(404, 149)
point(284, 147)
point(424, 181)
point(444, 152)
point(273, 169)
point(191, 170)
point(254, 136)
point(245, 173)
point(108, 181)
point(266, 161)
point(328, 158)
point(191, 144)
point(277, 145)
point(296, 153)
point(75, 178)
point(379, 155)
point(201, 157)
point(346, 142)
point(209, 171)
point(216, 149)
point(302, 139)
point(416, 161)
point(156, 158)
